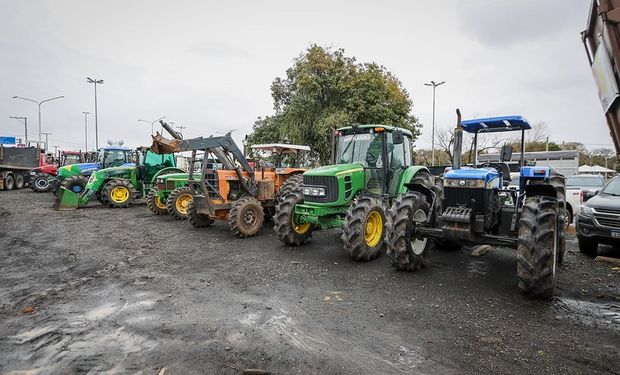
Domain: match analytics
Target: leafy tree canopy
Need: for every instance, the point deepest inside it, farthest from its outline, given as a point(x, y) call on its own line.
point(324, 90)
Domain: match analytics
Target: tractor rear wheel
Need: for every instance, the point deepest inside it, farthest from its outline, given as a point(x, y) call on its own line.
point(538, 247)
point(75, 184)
point(40, 183)
point(155, 203)
point(19, 181)
point(246, 217)
point(118, 193)
point(288, 231)
point(197, 220)
point(406, 252)
point(178, 202)
point(363, 230)
point(9, 182)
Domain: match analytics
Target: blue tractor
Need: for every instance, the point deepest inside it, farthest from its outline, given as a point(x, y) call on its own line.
point(475, 206)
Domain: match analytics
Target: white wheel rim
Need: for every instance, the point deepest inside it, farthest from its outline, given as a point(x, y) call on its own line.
point(418, 245)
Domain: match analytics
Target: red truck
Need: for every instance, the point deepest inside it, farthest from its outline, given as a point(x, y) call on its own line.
point(40, 177)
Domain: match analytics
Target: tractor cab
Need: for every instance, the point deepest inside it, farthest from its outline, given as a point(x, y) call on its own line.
point(71, 157)
point(150, 163)
point(115, 157)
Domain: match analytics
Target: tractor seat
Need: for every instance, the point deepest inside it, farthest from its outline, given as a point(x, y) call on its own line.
point(503, 169)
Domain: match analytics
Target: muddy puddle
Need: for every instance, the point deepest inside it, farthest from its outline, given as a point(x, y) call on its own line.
point(604, 314)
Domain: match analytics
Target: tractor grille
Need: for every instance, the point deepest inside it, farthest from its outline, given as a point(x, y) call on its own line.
point(454, 197)
point(331, 188)
point(211, 178)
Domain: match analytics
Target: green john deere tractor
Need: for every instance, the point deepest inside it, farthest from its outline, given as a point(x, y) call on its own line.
point(372, 166)
point(117, 187)
point(170, 195)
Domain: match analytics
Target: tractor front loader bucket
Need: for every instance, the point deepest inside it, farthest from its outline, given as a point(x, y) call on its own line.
point(66, 200)
point(163, 145)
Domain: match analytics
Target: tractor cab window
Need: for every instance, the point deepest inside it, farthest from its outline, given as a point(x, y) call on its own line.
point(363, 148)
point(162, 160)
point(399, 155)
point(115, 158)
point(71, 159)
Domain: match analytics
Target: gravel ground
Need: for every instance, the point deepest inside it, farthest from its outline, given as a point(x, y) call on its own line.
point(124, 291)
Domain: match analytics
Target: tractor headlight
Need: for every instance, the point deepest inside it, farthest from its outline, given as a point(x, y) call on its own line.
point(465, 183)
point(314, 191)
point(32, 173)
point(585, 211)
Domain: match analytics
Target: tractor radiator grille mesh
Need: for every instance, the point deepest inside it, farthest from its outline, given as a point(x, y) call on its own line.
point(454, 197)
point(330, 183)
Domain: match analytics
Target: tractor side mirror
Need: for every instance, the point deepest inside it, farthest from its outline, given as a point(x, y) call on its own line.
point(397, 137)
point(506, 153)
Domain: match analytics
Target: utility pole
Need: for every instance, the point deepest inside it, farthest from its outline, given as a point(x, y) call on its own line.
point(25, 126)
point(86, 130)
point(95, 82)
point(46, 134)
point(434, 85)
point(39, 104)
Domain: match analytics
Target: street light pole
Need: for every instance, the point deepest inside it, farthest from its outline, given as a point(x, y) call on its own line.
point(39, 104)
point(181, 127)
point(152, 122)
point(95, 82)
point(434, 85)
point(25, 127)
point(86, 130)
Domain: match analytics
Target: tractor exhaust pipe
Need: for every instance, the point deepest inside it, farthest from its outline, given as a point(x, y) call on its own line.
point(458, 142)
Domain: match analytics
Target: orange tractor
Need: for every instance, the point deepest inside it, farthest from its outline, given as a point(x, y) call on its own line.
point(233, 189)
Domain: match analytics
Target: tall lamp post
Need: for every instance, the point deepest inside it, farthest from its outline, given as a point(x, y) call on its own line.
point(46, 134)
point(39, 104)
point(152, 122)
point(95, 82)
point(25, 127)
point(434, 85)
point(86, 130)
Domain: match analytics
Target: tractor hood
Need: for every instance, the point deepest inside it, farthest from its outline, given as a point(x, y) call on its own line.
point(175, 176)
point(335, 170)
point(472, 174)
point(75, 169)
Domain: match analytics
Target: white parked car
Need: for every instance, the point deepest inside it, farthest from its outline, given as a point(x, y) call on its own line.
point(580, 188)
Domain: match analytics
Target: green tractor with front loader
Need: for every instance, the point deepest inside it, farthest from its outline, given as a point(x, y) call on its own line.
point(117, 187)
point(371, 166)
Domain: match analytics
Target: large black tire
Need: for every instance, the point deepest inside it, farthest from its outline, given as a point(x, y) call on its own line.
point(246, 217)
point(118, 193)
point(19, 181)
point(155, 204)
point(291, 184)
point(363, 231)
point(586, 246)
point(178, 202)
point(75, 183)
point(538, 246)
point(9, 182)
point(289, 232)
point(40, 183)
point(195, 219)
point(405, 252)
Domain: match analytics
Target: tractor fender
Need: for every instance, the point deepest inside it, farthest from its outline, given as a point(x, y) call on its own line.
point(167, 171)
point(408, 175)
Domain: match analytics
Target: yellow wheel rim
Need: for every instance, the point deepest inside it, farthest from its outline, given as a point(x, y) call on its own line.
point(183, 202)
point(159, 203)
point(299, 228)
point(119, 194)
point(373, 229)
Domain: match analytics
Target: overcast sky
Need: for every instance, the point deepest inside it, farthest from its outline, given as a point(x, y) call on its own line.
point(208, 65)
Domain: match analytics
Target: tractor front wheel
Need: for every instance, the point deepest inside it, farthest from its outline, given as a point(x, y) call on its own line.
point(75, 184)
point(363, 230)
point(539, 245)
point(406, 252)
point(178, 202)
point(197, 220)
point(40, 183)
point(288, 231)
point(246, 217)
point(118, 193)
point(155, 203)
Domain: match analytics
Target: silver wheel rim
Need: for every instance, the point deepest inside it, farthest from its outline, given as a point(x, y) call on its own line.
point(418, 245)
point(41, 183)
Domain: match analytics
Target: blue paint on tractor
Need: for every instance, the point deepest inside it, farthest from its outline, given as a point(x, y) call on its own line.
point(486, 174)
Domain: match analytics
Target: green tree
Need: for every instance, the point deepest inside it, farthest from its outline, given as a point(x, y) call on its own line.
point(324, 90)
